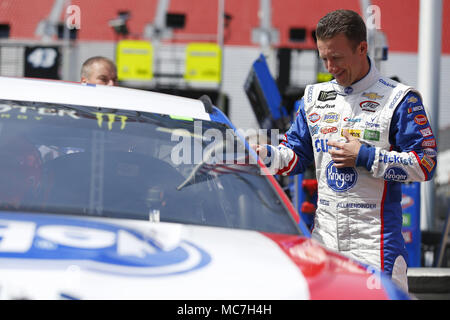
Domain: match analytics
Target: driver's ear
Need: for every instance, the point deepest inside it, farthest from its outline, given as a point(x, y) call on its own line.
point(362, 48)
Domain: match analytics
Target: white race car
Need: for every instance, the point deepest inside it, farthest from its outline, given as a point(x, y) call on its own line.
point(116, 193)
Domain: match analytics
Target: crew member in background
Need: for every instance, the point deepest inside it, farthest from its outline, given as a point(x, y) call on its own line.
point(99, 70)
point(367, 134)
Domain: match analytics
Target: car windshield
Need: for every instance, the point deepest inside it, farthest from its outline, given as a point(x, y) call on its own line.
point(114, 163)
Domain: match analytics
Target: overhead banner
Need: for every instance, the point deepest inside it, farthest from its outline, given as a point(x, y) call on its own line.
point(203, 62)
point(134, 60)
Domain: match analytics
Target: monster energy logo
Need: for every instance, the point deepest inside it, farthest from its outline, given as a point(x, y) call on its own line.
point(111, 119)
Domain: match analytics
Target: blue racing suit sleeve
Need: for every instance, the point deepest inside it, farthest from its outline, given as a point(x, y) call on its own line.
point(295, 153)
point(413, 155)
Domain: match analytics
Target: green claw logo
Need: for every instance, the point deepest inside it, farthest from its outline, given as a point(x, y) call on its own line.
point(111, 119)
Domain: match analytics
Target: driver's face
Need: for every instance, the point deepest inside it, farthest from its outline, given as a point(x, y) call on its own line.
point(345, 62)
point(101, 73)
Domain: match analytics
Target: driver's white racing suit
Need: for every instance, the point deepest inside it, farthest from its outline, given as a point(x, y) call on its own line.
point(358, 209)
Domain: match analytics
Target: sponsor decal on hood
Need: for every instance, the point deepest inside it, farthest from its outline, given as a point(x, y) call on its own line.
point(106, 248)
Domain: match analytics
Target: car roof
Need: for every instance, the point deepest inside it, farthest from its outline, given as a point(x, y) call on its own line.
point(75, 93)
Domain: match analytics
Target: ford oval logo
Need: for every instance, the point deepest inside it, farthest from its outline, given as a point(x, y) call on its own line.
point(94, 245)
point(341, 180)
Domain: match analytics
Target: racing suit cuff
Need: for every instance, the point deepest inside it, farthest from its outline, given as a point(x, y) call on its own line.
point(365, 157)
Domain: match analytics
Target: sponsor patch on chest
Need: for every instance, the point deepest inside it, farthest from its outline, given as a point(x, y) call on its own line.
point(340, 180)
point(331, 117)
point(327, 95)
point(369, 105)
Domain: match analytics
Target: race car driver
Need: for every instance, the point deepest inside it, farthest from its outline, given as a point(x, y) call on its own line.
point(99, 70)
point(20, 172)
point(367, 134)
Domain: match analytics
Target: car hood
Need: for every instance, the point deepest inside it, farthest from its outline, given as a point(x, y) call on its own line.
point(56, 257)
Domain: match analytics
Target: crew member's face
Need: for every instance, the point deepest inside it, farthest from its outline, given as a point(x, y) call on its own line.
point(346, 64)
point(101, 73)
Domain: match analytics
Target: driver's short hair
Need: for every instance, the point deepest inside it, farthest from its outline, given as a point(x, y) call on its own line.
point(86, 67)
point(343, 21)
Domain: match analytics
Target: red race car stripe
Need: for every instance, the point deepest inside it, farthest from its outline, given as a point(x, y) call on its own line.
point(330, 276)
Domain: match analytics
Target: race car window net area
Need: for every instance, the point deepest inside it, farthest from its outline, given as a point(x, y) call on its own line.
point(124, 164)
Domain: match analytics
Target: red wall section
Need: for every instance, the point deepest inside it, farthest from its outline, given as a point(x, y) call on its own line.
point(96, 14)
point(446, 27)
point(245, 19)
point(400, 23)
point(288, 14)
point(23, 15)
point(399, 18)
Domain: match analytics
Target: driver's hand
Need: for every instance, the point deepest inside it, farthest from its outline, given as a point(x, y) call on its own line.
point(261, 151)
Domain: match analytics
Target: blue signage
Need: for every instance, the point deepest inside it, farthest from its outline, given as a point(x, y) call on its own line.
point(411, 222)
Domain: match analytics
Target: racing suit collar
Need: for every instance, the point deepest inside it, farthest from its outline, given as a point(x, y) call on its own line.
point(359, 86)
